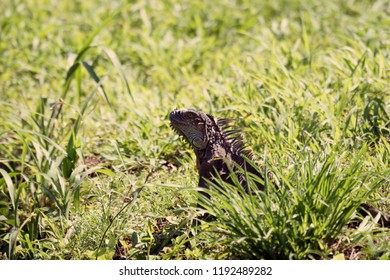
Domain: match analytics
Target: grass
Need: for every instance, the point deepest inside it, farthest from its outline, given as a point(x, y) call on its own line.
point(90, 168)
point(298, 217)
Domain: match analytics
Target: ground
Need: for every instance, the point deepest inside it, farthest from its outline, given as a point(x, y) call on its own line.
point(91, 169)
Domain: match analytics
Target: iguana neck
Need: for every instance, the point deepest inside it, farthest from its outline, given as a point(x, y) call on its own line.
point(213, 151)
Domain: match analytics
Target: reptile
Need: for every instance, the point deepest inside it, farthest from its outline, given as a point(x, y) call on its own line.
point(219, 150)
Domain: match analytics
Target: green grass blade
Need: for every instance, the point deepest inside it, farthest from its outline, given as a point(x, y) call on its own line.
point(115, 61)
point(10, 186)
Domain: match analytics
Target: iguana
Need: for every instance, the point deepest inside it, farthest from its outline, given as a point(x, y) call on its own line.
point(219, 149)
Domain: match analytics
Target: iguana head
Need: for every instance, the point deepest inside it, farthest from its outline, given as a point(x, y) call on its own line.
point(208, 136)
point(192, 125)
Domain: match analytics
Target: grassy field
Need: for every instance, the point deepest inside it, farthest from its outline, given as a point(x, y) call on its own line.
point(90, 168)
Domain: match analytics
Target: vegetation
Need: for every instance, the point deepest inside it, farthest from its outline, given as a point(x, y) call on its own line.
point(90, 168)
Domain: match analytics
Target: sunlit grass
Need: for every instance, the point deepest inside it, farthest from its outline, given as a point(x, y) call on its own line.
point(90, 168)
point(299, 216)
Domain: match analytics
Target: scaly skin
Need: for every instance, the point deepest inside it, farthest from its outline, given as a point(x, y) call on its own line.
point(217, 149)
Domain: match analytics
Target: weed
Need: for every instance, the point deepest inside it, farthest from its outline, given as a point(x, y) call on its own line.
point(86, 89)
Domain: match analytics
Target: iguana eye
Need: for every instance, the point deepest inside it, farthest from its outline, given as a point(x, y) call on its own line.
point(191, 115)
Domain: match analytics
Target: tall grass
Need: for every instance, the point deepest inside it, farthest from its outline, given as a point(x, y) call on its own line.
point(86, 89)
point(302, 215)
point(43, 175)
